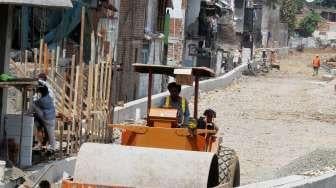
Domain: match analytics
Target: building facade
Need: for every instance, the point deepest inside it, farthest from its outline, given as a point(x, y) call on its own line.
point(141, 40)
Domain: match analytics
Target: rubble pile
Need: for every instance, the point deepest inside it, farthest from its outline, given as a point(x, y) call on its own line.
point(331, 62)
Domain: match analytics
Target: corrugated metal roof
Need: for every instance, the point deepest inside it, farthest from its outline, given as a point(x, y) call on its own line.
point(44, 3)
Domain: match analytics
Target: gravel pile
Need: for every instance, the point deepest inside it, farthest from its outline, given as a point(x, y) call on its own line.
point(315, 163)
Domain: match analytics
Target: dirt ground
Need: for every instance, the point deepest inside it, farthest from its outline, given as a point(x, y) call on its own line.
point(281, 123)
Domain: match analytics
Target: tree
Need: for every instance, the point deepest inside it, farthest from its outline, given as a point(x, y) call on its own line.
point(299, 5)
point(309, 24)
point(288, 11)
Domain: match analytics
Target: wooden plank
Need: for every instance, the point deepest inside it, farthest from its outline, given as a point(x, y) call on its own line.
point(95, 91)
point(91, 128)
point(45, 59)
point(58, 50)
point(106, 69)
point(35, 60)
point(52, 70)
point(63, 98)
point(41, 55)
point(90, 86)
point(89, 97)
point(81, 64)
point(108, 87)
point(61, 128)
point(75, 108)
point(93, 49)
point(72, 74)
point(101, 85)
point(76, 91)
point(25, 63)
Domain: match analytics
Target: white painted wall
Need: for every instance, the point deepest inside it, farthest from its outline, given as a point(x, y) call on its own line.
point(177, 12)
point(329, 35)
point(151, 15)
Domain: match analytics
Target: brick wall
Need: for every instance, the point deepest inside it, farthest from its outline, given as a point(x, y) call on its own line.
point(175, 52)
point(176, 27)
point(176, 36)
point(130, 42)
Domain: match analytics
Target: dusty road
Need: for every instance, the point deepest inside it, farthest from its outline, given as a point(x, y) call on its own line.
point(273, 120)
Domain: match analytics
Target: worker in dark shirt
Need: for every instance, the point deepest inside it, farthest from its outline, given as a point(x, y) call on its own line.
point(44, 108)
point(207, 122)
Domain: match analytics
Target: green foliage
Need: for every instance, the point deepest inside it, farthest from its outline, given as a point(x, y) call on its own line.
point(309, 24)
point(288, 11)
point(299, 5)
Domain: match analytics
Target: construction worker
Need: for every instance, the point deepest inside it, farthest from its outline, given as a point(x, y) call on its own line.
point(42, 79)
point(174, 100)
point(207, 121)
point(274, 60)
point(236, 57)
point(316, 65)
point(44, 109)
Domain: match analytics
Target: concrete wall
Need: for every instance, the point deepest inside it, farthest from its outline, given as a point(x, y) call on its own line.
point(128, 112)
point(309, 42)
point(271, 23)
point(238, 12)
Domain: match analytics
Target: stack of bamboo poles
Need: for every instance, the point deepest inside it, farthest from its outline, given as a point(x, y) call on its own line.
point(81, 93)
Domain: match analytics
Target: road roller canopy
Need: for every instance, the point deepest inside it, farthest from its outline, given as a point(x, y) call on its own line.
point(181, 74)
point(171, 70)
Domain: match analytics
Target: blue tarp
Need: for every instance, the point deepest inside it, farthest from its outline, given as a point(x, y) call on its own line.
point(70, 20)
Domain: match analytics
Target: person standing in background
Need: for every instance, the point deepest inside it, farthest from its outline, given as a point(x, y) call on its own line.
point(316, 65)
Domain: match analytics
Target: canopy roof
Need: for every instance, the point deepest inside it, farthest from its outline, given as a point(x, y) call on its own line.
point(169, 70)
point(44, 3)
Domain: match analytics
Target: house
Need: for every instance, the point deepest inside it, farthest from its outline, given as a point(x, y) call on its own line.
point(209, 33)
point(327, 28)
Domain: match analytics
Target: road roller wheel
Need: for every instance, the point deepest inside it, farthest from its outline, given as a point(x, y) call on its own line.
point(228, 166)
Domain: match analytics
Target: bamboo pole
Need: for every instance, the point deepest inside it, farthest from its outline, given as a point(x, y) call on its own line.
point(81, 64)
point(45, 59)
point(106, 67)
point(52, 70)
point(75, 111)
point(89, 96)
point(101, 84)
point(35, 60)
point(25, 63)
point(95, 100)
point(58, 49)
point(41, 55)
point(72, 74)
